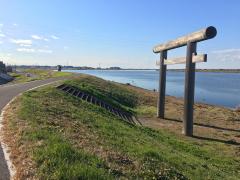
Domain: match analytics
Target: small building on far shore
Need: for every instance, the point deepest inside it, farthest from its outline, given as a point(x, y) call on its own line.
point(4, 77)
point(2, 67)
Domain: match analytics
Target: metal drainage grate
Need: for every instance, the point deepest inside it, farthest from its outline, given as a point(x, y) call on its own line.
point(126, 116)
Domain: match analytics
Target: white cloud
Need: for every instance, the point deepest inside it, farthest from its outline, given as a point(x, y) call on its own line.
point(2, 35)
point(226, 51)
point(28, 50)
point(21, 41)
point(54, 37)
point(227, 54)
point(1, 42)
point(25, 45)
point(31, 50)
point(37, 37)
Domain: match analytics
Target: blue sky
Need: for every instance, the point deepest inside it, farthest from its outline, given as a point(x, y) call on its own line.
point(114, 33)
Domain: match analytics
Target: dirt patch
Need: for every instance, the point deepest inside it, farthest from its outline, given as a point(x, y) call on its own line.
point(211, 123)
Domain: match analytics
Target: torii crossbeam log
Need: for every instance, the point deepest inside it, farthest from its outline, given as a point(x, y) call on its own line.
point(182, 60)
point(191, 41)
point(204, 34)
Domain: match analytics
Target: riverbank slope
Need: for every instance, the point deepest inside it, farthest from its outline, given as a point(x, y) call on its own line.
point(55, 135)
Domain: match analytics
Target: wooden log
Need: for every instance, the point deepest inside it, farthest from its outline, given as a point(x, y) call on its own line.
point(162, 85)
point(201, 35)
point(182, 60)
point(189, 90)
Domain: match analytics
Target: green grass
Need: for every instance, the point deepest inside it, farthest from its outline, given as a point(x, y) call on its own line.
point(37, 74)
point(72, 139)
point(146, 111)
point(110, 92)
point(57, 159)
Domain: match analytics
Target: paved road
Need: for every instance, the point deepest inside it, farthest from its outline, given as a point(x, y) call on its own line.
point(7, 93)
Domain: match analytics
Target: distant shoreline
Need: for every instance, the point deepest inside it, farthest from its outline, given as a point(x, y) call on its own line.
point(175, 70)
point(118, 69)
point(211, 70)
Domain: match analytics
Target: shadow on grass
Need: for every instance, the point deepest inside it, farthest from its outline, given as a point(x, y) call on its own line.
point(206, 125)
point(230, 142)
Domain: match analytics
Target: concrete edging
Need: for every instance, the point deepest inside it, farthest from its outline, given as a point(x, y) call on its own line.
point(6, 149)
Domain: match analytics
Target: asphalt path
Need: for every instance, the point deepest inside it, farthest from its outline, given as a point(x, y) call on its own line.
point(7, 93)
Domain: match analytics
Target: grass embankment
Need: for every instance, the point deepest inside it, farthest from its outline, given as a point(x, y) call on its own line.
point(27, 75)
point(56, 136)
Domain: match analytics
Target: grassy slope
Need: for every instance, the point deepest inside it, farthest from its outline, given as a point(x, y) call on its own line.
point(67, 138)
point(37, 74)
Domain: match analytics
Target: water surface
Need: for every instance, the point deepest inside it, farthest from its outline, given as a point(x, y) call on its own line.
point(221, 89)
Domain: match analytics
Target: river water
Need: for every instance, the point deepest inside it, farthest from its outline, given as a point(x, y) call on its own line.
point(214, 88)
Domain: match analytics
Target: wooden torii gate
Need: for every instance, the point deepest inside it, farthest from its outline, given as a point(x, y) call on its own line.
point(190, 41)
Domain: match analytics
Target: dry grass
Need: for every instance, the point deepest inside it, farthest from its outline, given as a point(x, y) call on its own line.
point(212, 123)
point(20, 153)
